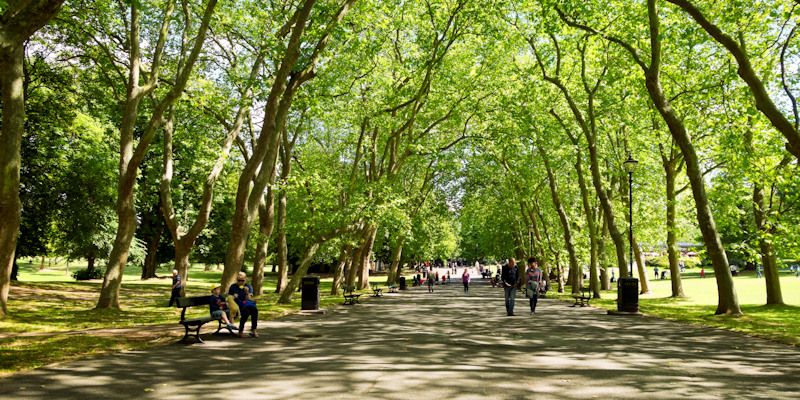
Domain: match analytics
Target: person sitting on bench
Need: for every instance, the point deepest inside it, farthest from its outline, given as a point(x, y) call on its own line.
point(242, 293)
point(219, 309)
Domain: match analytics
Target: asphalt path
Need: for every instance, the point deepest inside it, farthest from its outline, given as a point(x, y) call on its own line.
point(441, 345)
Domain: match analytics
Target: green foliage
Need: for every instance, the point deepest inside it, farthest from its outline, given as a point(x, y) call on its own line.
point(85, 274)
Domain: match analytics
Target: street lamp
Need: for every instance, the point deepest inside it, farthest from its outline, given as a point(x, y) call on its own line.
point(628, 287)
point(630, 166)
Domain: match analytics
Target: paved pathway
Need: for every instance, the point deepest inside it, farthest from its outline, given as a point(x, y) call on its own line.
point(444, 345)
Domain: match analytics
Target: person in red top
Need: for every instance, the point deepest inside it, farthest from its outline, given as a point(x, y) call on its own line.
point(465, 280)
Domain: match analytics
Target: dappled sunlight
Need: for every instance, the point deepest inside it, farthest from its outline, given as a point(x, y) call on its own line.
point(443, 345)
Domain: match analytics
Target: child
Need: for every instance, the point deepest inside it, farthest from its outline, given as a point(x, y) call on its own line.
point(218, 308)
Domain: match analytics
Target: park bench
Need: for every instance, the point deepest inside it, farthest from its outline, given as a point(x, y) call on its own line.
point(392, 288)
point(582, 299)
point(349, 297)
point(193, 325)
point(377, 291)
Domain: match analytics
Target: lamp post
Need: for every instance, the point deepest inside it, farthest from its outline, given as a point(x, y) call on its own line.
point(628, 287)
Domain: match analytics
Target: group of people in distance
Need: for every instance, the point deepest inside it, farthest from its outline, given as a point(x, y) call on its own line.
point(241, 293)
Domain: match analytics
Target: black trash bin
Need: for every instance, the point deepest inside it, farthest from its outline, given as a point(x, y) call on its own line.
point(628, 295)
point(310, 293)
point(402, 281)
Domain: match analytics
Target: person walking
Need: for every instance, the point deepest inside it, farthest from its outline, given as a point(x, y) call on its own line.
point(702, 272)
point(176, 288)
point(534, 282)
point(510, 279)
point(430, 283)
point(655, 269)
point(465, 280)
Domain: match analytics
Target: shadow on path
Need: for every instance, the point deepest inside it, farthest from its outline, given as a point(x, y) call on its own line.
point(441, 345)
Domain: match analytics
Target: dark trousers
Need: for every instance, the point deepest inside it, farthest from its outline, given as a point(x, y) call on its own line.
point(466, 287)
point(176, 292)
point(511, 294)
point(534, 299)
point(247, 312)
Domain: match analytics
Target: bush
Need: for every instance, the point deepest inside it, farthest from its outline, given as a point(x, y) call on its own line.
point(85, 274)
point(661, 261)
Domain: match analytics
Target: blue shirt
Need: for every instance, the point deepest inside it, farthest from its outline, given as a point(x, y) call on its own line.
point(239, 293)
point(216, 303)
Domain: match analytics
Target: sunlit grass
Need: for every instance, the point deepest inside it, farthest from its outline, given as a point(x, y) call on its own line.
point(780, 323)
point(48, 307)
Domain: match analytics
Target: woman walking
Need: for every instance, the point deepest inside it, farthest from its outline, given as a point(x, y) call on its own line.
point(534, 275)
point(465, 280)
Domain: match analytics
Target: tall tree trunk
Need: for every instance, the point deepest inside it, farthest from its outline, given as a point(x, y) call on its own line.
point(394, 268)
point(728, 302)
point(132, 152)
point(182, 250)
point(574, 268)
point(768, 259)
point(259, 170)
point(283, 251)
point(339, 270)
point(672, 229)
point(644, 280)
point(20, 20)
point(294, 283)
point(151, 260)
point(365, 264)
point(90, 263)
point(605, 281)
point(354, 265)
point(266, 218)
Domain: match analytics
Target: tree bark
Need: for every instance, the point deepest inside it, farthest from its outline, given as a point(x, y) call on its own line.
point(728, 302)
point(574, 268)
point(339, 270)
point(673, 254)
point(19, 21)
point(768, 259)
point(283, 251)
point(132, 155)
point(260, 168)
point(266, 218)
point(394, 268)
point(366, 253)
point(151, 260)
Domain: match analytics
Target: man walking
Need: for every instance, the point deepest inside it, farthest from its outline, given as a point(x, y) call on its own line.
point(510, 279)
point(176, 288)
point(534, 282)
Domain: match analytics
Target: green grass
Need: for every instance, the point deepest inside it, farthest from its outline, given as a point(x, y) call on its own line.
point(48, 307)
point(779, 323)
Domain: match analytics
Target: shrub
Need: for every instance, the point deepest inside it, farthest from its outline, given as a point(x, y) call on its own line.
point(85, 274)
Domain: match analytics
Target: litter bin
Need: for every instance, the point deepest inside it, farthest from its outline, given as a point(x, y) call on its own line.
point(628, 295)
point(310, 293)
point(402, 281)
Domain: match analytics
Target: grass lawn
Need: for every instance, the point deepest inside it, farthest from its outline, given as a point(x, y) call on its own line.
point(52, 317)
point(780, 323)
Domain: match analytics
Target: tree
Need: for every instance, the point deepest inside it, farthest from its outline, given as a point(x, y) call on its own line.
point(19, 20)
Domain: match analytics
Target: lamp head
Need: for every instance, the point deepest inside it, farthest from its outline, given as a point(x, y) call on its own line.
point(630, 164)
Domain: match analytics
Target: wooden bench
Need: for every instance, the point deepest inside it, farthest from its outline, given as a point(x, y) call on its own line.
point(349, 297)
point(377, 291)
point(393, 289)
point(583, 298)
point(193, 325)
